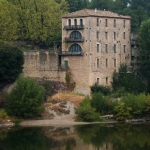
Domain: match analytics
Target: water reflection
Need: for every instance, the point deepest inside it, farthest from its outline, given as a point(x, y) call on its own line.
point(89, 137)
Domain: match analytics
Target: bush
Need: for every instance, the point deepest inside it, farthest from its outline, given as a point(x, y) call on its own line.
point(136, 102)
point(3, 114)
point(102, 104)
point(100, 88)
point(25, 99)
point(122, 112)
point(11, 63)
point(86, 113)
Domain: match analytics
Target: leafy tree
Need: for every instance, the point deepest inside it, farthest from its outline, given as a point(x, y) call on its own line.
point(76, 5)
point(144, 55)
point(11, 63)
point(25, 99)
point(130, 81)
point(122, 112)
point(86, 112)
point(39, 20)
point(100, 88)
point(8, 21)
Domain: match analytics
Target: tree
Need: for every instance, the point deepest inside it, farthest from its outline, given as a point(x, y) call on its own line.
point(25, 99)
point(11, 63)
point(8, 21)
point(144, 55)
point(75, 5)
point(39, 20)
point(130, 81)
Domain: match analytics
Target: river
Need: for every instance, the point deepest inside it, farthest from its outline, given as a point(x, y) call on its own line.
point(83, 137)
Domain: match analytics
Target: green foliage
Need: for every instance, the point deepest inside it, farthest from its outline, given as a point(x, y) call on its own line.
point(102, 104)
point(8, 21)
point(130, 81)
point(119, 93)
point(100, 88)
point(38, 21)
point(25, 99)
point(87, 113)
point(11, 63)
point(136, 102)
point(122, 112)
point(144, 42)
point(3, 114)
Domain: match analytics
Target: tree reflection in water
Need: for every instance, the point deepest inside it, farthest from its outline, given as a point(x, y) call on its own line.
point(89, 137)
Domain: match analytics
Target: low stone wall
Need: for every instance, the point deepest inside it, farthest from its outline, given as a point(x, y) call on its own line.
point(42, 64)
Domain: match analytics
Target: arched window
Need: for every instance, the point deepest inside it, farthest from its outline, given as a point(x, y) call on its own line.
point(75, 48)
point(81, 22)
point(75, 22)
point(69, 22)
point(75, 35)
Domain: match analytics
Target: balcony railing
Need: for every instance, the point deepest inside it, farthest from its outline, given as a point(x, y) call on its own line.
point(74, 39)
point(74, 27)
point(67, 53)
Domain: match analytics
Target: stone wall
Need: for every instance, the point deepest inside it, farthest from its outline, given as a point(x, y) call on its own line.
point(42, 64)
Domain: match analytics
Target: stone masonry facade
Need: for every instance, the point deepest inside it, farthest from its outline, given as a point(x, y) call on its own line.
point(104, 44)
point(94, 44)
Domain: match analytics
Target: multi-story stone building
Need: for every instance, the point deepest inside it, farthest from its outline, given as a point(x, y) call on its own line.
point(94, 44)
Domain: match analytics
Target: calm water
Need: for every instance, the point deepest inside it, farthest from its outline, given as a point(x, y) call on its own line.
point(87, 137)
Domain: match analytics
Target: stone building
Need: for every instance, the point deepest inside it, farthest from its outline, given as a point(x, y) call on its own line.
point(94, 44)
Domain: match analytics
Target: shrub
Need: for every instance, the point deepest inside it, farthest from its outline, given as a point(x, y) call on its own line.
point(11, 63)
point(102, 104)
point(100, 88)
point(86, 113)
point(122, 112)
point(25, 98)
point(136, 102)
point(3, 114)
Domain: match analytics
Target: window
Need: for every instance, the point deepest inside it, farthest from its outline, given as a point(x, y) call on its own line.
point(75, 35)
point(75, 48)
point(124, 48)
point(106, 80)
point(106, 63)
point(75, 22)
point(106, 35)
point(124, 23)
point(106, 48)
point(124, 35)
point(97, 80)
point(66, 64)
point(97, 63)
point(114, 62)
point(97, 34)
point(106, 23)
point(69, 22)
point(114, 35)
point(81, 22)
point(97, 22)
point(114, 22)
point(97, 48)
point(114, 48)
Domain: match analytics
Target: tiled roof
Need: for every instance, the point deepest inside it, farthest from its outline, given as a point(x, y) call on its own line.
point(96, 13)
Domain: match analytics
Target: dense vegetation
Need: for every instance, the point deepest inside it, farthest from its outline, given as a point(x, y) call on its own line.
point(25, 99)
point(11, 63)
point(34, 21)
